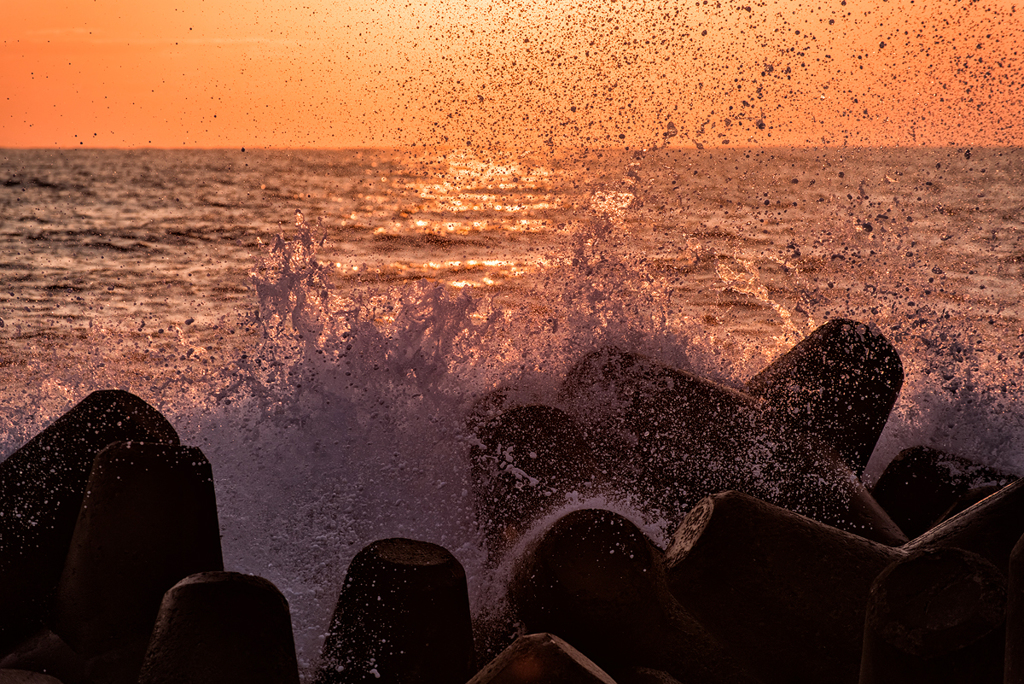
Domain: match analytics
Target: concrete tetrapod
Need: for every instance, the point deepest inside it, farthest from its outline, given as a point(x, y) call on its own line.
point(47, 653)
point(936, 616)
point(989, 528)
point(222, 628)
point(783, 592)
point(539, 659)
point(25, 677)
point(691, 438)
point(920, 485)
point(683, 433)
point(41, 489)
point(839, 383)
point(148, 520)
point(966, 500)
point(524, 462)
point(402, 616)
point(1014, 661)
point(644, 675)
point(596, 580)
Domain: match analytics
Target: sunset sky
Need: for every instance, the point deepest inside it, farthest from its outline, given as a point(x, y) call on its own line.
point(318, 73)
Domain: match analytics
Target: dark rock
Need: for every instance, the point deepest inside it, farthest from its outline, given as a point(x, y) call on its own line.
point(839, 383)
point(148, 520)
point(41, 489)
point(785, 593)
point(536, 658)
point(936, 616)
point(596, 580)
point(921, 485)
point(222, 628)
point(402, 617)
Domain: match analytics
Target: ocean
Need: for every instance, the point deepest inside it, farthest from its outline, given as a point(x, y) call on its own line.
point(321, 323)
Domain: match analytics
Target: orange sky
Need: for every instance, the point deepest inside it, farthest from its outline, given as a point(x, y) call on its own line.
point(317, 73)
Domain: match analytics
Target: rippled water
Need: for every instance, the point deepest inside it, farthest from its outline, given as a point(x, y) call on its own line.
point(172, 234)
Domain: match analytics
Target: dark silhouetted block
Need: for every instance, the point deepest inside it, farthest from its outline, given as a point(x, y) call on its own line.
point(671, 436)
point(596, 580)
point(644, 675)
point(1014, 661)
point(41, 489)
point(690, 438)
point(783, 592)
point(989, 528)
point(839, 383)
point(921, 486)
point(936, 616)
point(402, 616)
point(11, 676)
point(525, 462)
point(967, 499)
point(541, 659)
point(47, 653)
point(148, 520)
point(222, 628)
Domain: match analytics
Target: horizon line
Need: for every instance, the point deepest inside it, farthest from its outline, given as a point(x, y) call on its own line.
point(539, 148)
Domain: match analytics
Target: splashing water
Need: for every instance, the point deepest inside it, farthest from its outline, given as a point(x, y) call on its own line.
point(334, 413)
point(329, 372)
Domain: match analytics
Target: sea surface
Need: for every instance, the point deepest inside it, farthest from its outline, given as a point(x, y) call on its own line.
point(320, 323)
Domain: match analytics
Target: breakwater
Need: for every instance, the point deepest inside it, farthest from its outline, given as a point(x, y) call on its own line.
point(782, 565)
